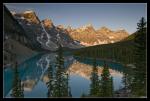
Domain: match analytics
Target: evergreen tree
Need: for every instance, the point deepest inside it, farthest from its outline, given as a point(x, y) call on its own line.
point(140, 45)
point(106, 83)
point(127, 80)
point(111, 87)
point(17, 89)
point(58, 86)
point(50, 82)
point(139, 82)
point(94, 87)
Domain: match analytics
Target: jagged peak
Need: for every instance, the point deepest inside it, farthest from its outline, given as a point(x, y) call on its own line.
point(60, 26)
point(122, 31)
point(104, 28)
point(86, 27)
point(47, 22)
point(69, 26)
point(30, 16)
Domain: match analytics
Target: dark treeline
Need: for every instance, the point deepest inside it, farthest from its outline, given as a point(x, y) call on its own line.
point(120, 51)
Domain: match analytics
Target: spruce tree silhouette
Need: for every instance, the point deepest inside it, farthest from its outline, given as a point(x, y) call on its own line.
point(94, 86)
point(58, 85)
point(139, 77)
point(17, 88)
point(106, 82)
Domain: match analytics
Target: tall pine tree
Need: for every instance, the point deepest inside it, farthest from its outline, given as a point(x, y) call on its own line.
point(106, 82)
point(17, 89)
point(139, 82)
point(94, 87)
point(58, 86)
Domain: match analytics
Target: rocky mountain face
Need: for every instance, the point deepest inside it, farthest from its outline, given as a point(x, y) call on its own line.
point(48, 23)
point(88, 36)
point(44, 34)
point(16, 43)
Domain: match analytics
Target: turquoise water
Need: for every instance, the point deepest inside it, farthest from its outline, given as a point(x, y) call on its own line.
point(33, 74)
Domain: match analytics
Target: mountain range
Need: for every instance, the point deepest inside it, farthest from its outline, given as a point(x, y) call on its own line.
point(88, 36)
point(49, 35)
point(25, 34)
point(44, 32)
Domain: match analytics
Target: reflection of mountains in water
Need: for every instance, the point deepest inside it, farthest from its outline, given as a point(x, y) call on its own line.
point(39, 70)
point(114, 66)
point(28, 67)
point(85, 70)
point(35, 69)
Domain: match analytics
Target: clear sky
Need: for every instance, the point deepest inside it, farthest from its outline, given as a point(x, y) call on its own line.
point(111, 15)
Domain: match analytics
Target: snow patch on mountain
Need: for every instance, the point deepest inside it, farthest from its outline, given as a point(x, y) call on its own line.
point(85, 44)
point(49, 43)
point(76, 42)
point(22, 18)
point(48, 36)
point(39, 40)
point(102, 42)
point(28, 11)
point(58, 36)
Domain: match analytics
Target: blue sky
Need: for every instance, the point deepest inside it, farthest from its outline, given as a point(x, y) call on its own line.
point(112, 15)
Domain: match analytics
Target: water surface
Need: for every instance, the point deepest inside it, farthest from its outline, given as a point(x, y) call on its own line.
point(34, 75)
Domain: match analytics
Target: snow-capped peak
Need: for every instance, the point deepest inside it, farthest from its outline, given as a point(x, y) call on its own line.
point(28, 11)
